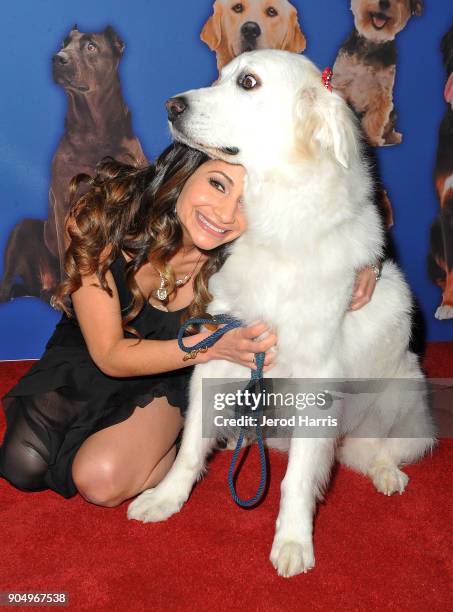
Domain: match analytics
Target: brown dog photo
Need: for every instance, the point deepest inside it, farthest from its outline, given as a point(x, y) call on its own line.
point(97, 123)
point(236, 27)
point(365, 67)
point(441, 253)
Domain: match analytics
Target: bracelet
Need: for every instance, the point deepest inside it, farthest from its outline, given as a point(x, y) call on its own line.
point(377, 269)
point(194, 353)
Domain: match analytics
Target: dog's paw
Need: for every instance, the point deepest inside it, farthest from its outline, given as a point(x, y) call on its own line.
point(232, 443)
point(388, 479)
point(444, 312)
point(393, 138)
point(291, 558)
point(152, 506)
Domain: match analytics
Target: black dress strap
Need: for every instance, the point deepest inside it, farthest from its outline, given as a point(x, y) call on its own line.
point(118, 270)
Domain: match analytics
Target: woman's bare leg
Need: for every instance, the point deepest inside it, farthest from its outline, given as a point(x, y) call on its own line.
point(120, 461)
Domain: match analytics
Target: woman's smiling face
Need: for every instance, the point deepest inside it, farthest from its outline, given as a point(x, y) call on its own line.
point(210, 207)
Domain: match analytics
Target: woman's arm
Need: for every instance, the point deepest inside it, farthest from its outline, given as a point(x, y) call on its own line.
point(99, 317)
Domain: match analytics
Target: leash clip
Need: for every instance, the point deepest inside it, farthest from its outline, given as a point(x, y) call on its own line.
point(192, 354)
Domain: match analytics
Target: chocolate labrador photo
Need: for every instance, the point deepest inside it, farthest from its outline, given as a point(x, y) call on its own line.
point(97, 123)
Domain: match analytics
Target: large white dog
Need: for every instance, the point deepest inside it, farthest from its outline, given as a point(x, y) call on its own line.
point(311, 226)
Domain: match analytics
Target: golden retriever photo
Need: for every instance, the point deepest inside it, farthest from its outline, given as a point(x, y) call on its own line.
point(236, 27)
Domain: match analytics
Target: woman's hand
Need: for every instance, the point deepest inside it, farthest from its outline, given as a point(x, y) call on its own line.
point(365, 282)
point(239, 345)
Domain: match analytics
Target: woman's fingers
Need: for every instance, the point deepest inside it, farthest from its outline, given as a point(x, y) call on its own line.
point(269, 360)
point(364, 286)
point(253, 346)
point(268, 342)
point(359, 303)
point(241, 345)
point(270, 357)
point(252, 331)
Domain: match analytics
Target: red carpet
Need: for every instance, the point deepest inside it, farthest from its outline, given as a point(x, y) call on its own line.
point(372, 552)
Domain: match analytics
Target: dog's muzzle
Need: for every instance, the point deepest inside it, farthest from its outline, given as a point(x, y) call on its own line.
point(175, 107)
point(60, 59)
point(250, 30)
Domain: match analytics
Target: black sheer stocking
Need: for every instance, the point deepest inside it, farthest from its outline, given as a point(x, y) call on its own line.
point(23, 456)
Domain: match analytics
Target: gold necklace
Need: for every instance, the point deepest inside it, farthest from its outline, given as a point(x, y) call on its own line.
point(161, 292)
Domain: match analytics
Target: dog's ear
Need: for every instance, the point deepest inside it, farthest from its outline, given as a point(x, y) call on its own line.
point(416, 7)
point(324, 123)
point(294, 39)
point(117, 43)
point(211, 34)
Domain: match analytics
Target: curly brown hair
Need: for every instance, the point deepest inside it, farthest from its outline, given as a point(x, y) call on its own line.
point(131, 208)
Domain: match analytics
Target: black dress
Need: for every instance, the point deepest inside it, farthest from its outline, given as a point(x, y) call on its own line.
point(65, 397)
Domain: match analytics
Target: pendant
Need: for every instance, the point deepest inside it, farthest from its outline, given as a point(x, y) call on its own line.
point(161, 293)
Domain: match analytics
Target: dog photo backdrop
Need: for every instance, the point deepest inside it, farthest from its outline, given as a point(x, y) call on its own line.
point(91, 80)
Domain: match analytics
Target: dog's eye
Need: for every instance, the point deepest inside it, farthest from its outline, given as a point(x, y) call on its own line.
point(248, 81)
point(91, 47)
point(238, 8)
point(271, 12)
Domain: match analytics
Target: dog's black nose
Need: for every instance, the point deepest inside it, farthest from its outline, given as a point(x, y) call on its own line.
point(384, 4)
point(175, 107)
point(250, 29)
point(60, 59)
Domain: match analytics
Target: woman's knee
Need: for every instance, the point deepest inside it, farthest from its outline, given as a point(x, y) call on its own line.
point(24, 457)
point(97, 480)
point(22, 465)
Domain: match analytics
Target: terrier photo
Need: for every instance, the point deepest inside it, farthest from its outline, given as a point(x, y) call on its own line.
point(365, 68)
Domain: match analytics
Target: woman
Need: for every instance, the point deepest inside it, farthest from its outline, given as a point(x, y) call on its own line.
point(101, 411)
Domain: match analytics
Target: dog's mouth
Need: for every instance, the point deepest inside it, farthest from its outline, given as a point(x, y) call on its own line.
point(224, 153)
point(248, 46)
point(379, 20)
point(66, 83)
point(215, 152)
point(230, 150)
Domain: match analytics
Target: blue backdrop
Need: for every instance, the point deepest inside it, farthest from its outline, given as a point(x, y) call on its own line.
point(163, 56)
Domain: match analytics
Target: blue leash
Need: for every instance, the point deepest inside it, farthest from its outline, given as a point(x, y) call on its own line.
point(256, 375)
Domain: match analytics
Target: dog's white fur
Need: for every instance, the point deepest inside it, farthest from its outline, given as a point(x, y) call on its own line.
point(311, 227)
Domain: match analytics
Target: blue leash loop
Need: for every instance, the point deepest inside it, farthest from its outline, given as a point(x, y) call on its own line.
point(256, 375)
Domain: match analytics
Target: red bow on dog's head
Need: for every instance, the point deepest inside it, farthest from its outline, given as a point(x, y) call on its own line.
point(326, 77)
